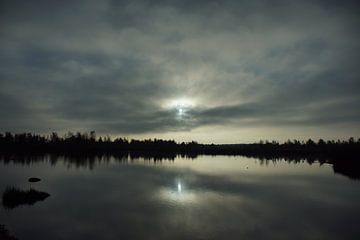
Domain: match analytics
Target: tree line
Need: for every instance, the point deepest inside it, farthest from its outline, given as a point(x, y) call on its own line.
point(86, 148)
point(90, 142)
point(84, 141)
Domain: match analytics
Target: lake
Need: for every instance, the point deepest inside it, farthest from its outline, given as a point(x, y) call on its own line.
point(207, 197)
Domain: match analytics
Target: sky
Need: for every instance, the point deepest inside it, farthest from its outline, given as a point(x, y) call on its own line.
point(226, 71)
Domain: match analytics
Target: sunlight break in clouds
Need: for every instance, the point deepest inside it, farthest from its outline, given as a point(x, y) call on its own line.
point(211, 71)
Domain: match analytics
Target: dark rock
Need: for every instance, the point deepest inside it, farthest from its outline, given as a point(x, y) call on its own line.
point(5, 235)
point(13, 197)
point(34, 179)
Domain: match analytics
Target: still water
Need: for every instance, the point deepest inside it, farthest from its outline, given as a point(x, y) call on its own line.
point(203, 198)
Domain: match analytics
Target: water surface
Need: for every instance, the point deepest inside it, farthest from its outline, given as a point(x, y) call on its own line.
point(203, 198)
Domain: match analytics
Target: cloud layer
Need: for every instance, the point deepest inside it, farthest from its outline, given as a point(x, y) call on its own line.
point(114, 66)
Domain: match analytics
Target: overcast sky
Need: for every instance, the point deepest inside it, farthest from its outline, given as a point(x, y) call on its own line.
point(211, 71)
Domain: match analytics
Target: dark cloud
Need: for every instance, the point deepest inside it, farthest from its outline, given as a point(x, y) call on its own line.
point(116, 66)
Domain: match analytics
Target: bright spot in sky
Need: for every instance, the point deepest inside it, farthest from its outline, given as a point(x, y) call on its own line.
point(181, 104)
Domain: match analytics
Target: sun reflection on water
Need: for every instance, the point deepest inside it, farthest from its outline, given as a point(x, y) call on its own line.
point(178, 194)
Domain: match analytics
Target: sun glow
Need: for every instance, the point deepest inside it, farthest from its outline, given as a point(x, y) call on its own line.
point(180, 107)
point(181, 103)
